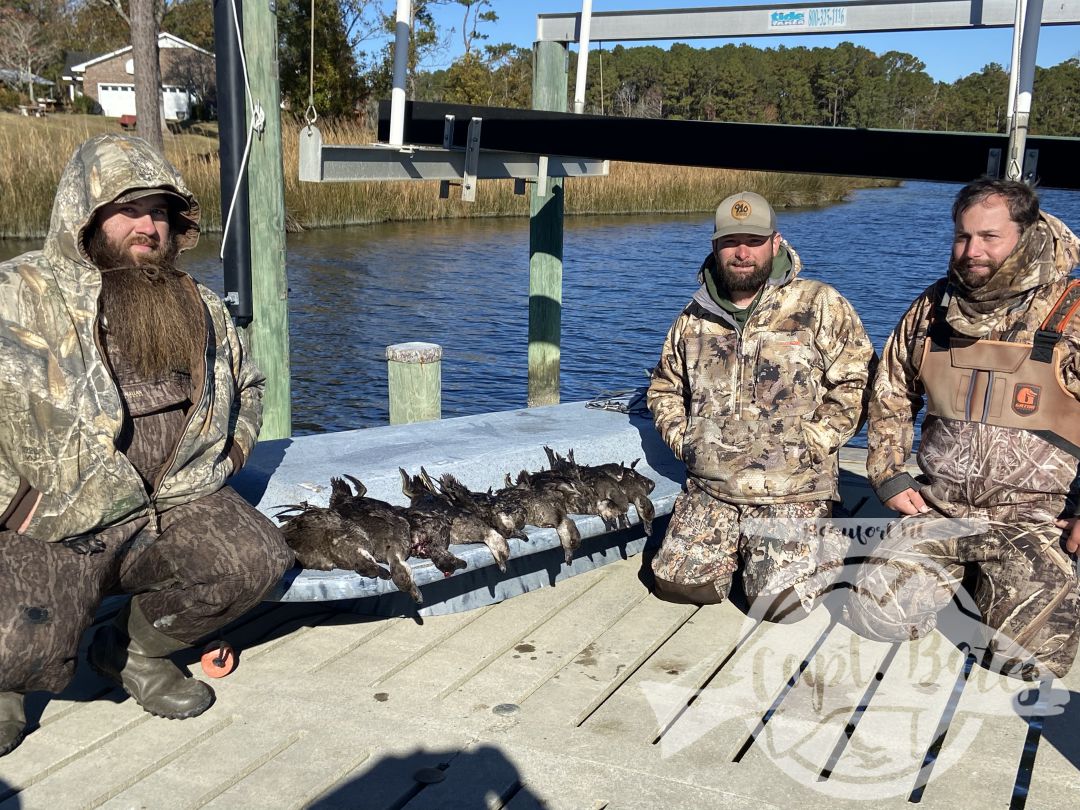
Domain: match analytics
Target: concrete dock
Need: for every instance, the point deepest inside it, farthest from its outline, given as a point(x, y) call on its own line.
point(585, 692)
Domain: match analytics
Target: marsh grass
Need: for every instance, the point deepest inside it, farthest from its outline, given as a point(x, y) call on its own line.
point(33, 152)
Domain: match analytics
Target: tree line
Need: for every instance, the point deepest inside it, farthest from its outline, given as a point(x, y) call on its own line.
point(847, 85)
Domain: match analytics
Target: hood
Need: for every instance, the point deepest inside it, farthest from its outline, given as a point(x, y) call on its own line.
point(1047, 252)
point(703, 298)
point(102, 169)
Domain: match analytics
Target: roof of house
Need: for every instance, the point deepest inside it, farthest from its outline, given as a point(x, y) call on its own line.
point(9, 76)
point(165, 40)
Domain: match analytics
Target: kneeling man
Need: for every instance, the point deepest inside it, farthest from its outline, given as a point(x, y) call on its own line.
point(760, 383)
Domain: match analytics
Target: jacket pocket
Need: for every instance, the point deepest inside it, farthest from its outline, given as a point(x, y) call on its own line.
point(787, 369)
point(759, 458)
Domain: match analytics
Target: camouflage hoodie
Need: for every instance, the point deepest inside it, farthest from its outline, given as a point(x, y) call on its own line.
point(758, 416)
point(60, 409)
point(972, 463)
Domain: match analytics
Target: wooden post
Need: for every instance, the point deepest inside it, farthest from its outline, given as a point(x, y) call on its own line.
point(550, 75)
point(414, 380)
point(269, 330)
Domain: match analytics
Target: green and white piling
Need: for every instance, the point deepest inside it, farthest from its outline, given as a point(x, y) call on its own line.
point(414, 382)
point(550, 76)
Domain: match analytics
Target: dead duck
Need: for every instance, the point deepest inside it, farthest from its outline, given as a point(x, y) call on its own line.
point(322, 539)
point(466, 526)
point(636, 487)
point(352, 536)
point(545, 503)
point(430, 531)
point(598, 494)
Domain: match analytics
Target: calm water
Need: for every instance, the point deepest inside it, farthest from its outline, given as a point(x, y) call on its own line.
point(465, 286)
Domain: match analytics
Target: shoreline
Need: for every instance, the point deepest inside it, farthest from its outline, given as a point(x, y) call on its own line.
point(34, 151)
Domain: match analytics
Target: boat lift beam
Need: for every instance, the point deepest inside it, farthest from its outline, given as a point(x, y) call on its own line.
point(840, 17)
point(899, 154)
point(326, 163)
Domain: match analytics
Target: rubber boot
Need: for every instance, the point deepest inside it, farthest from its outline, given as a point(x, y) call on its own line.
point(12, 721)
point(133, 653)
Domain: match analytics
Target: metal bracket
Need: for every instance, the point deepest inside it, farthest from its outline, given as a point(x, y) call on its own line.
point(1031, 164)
point(447, 143)
point(542, 176)
point(993, 163)
point(472, 160)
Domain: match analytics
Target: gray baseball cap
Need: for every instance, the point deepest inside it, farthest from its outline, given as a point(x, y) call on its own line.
point(745, 212)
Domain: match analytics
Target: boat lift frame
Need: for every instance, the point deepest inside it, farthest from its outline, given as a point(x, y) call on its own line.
point(448, 157)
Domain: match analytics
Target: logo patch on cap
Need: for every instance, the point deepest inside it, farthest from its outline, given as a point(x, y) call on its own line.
point(741, 210)
point(1026, 398)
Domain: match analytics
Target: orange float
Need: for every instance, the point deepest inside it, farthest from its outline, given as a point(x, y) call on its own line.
point(218, 659)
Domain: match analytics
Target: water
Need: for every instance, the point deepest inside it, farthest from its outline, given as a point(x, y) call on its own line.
point(464, 285)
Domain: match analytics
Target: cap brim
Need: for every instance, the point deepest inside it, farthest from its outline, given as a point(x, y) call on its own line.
point(138, 193)
point(752, 230)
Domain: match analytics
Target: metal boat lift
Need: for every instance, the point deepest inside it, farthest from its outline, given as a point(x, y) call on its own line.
point(396, 160)
point(460, 156)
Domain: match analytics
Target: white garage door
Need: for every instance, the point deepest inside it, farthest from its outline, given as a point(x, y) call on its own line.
point(116, 99)
point(119, 99)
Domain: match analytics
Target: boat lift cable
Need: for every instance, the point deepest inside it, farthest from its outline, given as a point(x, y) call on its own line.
point(256, 124)
point(310, 114)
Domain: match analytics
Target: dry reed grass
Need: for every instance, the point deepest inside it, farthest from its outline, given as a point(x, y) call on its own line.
point(33, 153)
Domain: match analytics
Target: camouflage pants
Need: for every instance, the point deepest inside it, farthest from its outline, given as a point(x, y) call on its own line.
point(1026, 589)
point(782, 547)
point(212, 561)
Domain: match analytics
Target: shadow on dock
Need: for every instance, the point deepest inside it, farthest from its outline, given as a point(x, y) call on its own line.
point(475, 777)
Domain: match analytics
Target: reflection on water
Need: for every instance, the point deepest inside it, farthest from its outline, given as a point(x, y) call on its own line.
point(464, 285)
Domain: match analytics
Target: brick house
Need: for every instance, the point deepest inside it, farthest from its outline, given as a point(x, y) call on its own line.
point(187, 77)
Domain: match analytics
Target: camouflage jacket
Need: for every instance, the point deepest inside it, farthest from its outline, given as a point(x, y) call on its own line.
point(759, 417)
point(60, 408)
point(972, 463)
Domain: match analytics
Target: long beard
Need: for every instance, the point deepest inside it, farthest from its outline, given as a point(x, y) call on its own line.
point(153, 324)
point(741, 282)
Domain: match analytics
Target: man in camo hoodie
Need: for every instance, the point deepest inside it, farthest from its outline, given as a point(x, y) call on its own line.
point(760, 382)
point(994, 349)
point(127, 398)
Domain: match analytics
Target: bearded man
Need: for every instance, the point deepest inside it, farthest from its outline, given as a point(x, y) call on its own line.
point(127, 398)
point(994, 350)
point(760, 382)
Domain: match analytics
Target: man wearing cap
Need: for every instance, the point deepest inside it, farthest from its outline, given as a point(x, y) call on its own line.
point(761, 381)
point(993, 350)
point(127, 398)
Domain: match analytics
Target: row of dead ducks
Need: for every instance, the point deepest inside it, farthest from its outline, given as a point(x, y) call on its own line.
point(369, 536)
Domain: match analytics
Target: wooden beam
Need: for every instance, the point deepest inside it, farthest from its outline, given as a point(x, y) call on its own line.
point(268, 333)
point(550, 76)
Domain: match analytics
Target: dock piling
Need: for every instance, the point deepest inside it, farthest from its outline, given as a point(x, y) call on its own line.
point(550, 77)
point(414, 382)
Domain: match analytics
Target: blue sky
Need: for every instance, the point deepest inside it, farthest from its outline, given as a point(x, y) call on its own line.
point(948, 54)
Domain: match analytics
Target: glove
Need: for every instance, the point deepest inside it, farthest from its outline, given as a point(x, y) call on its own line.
point(84, 544)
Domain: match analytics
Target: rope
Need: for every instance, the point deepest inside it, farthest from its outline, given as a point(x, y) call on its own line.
point(631, 401)
point(258, 123)
point(310, 116)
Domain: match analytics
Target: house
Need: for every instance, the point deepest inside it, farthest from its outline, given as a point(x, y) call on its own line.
point(187, 77)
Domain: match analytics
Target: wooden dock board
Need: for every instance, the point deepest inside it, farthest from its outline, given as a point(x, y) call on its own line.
point(333, 709)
